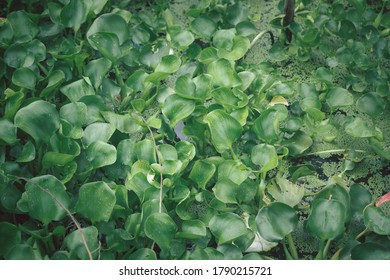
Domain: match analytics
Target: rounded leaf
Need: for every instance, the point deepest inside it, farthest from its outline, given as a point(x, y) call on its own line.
point(226, 191)
point(177, 108)
point(10, 236)
point(326, 219)
point(360, 128)
point(376, 220)
point(223, 74)
point(160, 228)
point(42, 196)
point(192, 229)
point(371, 104)
point(8, 132)
point(24, 78)
point(203, 26)
point(96, 201)
point(202, 172)
point(225, 129)
point(74, 242)
point(39, 119)
point(275, 221)
point(226, 227)
point(264, 155)
point(101, 154)
point(339, 97)
point(370, 251)
point(74, 14)
point(110, 23)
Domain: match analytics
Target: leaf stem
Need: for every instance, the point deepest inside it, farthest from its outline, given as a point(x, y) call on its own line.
point(119, 78)
point(293, 249)
point(334, 151)
point(362, 233)
point(286, 251)
point(326, 248)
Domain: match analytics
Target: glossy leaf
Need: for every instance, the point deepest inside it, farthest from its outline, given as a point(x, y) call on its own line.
point(225, 130)
point(275, 221)
point(226, 191)
point(96, 201)
point(202, 172)
point(177, 108)
point(376, 220)
point(24, 28)
point(97, 69)
point(266, 126)
point(360, 198)
point(28, 153)
point(168, 64)
point(74, 14)
point(145, 151)
point(110, 23)
point(78, 89)
point(101, 154)
point(107, 44)
point(226, 227)
point(326, 219)
point(233, 170)
point(10, 235)
point(299, 143)
point(160, 228)
point(39, 119)
point(97, 132)
point(24, 78)
point(45, 198)
point(223, 74)
point(264, 155)
point(123, 123)
point(192, 229)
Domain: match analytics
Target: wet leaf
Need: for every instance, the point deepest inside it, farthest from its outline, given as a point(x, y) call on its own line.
point(160, 228)
point(226, 227)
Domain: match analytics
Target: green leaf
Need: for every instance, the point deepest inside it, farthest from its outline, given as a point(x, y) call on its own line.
point(197, 88)
point(177, 108)
point(145, 151)
point(78, 89)
point(75, 242)
point(202, 172)
point(339, 97)
point(55, 80)
point(110, 23)
point(208, 55)
point(23, 252)
point(39, 119)
point(264, 155)
point(8, 132)
point(17, 56)
point(169, 64)
point(360, 5)
point(97, 69)
point(10, 236)
point(24, 28)
point(223, 74)
point(107, 44)
point(101, 154)
point(192, 229)
point(286, 192)
point(326, 219)
point(182, 40)
point(74, 113)
point(234, 98)
point(96, 201)
point(225, 130)
point(360, 128)
point(74, 14)
point(123, 123)
point(338, 193)
point(45, 197)
point(376, 220)
point(227, 227)
point(97, 132)
point(299, 143)
point(240, 46)
point(266, 126)
point(160, 228)
point(226, 191)
point(28, 153)
point(275, 221)
point(24, 78)
point(203, 26)
point(370, 251)
point(143, 254)
point(360, 198)
point(233, 170)
point(371, 104)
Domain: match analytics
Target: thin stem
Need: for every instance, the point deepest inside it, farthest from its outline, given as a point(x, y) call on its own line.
point(160, 163)
point(293, 249)
point(326, 248)
point(258, 36)
point(119, 77)
point(362, 233)
point(320, 255)
point(233, 154)
point(286, 251)
point(334, 151)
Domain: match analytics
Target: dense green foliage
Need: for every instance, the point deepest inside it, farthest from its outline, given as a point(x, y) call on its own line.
point(127, 133)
